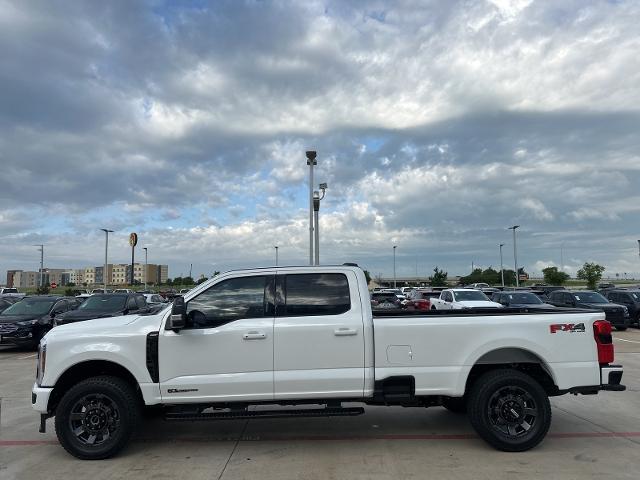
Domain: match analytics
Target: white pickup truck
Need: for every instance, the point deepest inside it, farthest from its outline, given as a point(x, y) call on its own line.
point(461, 298)
point(289, 336)
point(10, 292)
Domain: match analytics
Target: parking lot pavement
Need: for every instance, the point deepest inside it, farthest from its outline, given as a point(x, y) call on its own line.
point(590, 436)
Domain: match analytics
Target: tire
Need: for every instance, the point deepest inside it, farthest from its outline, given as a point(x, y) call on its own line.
point(493, 398)
point(455, 404)
point(98, 407)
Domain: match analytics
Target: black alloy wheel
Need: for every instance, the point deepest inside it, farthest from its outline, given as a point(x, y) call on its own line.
point(96, 417)
point(509, 409)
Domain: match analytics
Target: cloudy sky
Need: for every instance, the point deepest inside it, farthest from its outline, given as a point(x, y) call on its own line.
point(437, 125)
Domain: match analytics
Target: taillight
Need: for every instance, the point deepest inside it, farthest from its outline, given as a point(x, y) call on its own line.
point(602, 335)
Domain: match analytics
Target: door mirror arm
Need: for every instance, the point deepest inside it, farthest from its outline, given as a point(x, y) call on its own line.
point(177, 319)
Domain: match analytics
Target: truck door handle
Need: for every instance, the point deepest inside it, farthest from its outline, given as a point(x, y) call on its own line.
point(344, 332)
point(254, 336)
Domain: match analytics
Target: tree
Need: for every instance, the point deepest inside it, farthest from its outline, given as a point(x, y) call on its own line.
point(553, 276)
point(71, 284)
point(439, 278)
point(367, 276)
point(201, 280)
point(188, 281)
point(43, 290)
point(169, 281)
point(592, 273)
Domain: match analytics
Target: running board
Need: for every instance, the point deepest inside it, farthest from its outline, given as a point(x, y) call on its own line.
point(317, 412)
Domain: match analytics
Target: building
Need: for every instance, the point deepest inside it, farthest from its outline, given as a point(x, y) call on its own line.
point(76, 276)
point(10, 275)
point(89, 276)
point(163, 274)
point(55, 275)
point(22, 279)
point(99, 278)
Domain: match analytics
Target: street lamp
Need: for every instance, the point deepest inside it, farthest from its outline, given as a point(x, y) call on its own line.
point(394, 265)
point(41, 248)
point(311, 161)
point(515, 253)
point(146, 268)
point(106, 249)
point(501, 267)
point(276, 247)
point(316, 212)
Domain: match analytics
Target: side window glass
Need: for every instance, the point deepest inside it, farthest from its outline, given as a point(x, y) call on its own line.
point(141, 302)
point(131, 304)
point(316, 294)
point(228, 301)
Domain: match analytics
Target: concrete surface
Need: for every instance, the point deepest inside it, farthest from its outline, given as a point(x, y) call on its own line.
point(591, 437)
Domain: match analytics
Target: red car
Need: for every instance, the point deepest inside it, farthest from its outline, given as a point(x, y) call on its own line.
point(422, 298)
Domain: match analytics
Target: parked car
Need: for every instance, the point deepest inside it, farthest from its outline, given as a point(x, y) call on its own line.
point(101, 290)
point(25, 322)
point(630, 299)
point(461, 298)
point(104, 306)
point(421, 298)
point(10, 291)
point(617, 315)
point(123, 290)
point(520, 299)
point(6, 302)
point(385, 300)
point(479, 286)
point(232, 343)
point(155, 302)
point(543, 291)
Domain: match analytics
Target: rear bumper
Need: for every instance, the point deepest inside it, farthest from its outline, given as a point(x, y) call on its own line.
point(610, 381)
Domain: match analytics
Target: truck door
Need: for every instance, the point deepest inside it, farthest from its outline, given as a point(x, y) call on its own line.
point(319, 341)
point(225, 353)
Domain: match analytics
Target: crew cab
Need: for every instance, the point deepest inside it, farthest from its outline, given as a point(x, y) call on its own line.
point(287, 336)
point(461, 298)
point(617, 315)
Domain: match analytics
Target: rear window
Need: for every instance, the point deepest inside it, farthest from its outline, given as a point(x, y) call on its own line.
point(316, 294)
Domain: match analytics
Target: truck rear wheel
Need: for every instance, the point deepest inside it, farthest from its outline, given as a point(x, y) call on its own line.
point(96, 418)
point(509, 410)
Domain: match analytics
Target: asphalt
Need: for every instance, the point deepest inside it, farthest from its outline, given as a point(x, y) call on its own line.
point(590, 437)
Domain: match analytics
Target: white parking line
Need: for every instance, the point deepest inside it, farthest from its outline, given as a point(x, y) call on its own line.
point(624, 340)
point(33, 355)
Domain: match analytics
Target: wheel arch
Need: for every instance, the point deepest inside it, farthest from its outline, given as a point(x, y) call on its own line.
point(516, 358)
point(87, 369)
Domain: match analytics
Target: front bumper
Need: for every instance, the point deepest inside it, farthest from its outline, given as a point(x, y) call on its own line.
point(610, 381)
point(40, 398)
point(16, 335)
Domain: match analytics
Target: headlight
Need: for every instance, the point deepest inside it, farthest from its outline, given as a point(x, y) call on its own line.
point(42, 361)
point(626, 311)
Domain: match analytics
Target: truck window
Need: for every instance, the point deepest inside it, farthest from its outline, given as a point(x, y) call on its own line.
point(228, 301)
point(316, 294)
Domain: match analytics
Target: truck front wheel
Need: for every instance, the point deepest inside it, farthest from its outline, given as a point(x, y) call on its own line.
point(96, 418)
point(509, 410)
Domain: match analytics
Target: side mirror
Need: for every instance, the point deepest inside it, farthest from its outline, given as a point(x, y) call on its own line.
point(177, 319)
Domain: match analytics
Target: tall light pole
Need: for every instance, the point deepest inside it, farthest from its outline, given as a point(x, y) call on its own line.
point(316, 219)
point(146, 268)
point(311, 161)
point(106, 250)
point(394, 265)
point(515, 254)
point(562, 256)
point(41, 248)
point(276, 247)
point(501, 267)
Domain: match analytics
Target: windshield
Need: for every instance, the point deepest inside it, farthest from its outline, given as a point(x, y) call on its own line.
point(590, 297)
point(524, 298)
point(470, 295)
point(104, 303)
point(30, 306)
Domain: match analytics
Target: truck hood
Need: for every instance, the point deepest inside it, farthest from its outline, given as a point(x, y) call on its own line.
point(93, 325)
point(607, 307)
point(81, 315)
point(479, 303)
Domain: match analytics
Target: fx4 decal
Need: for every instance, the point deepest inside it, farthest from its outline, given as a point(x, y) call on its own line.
point(567, 327)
